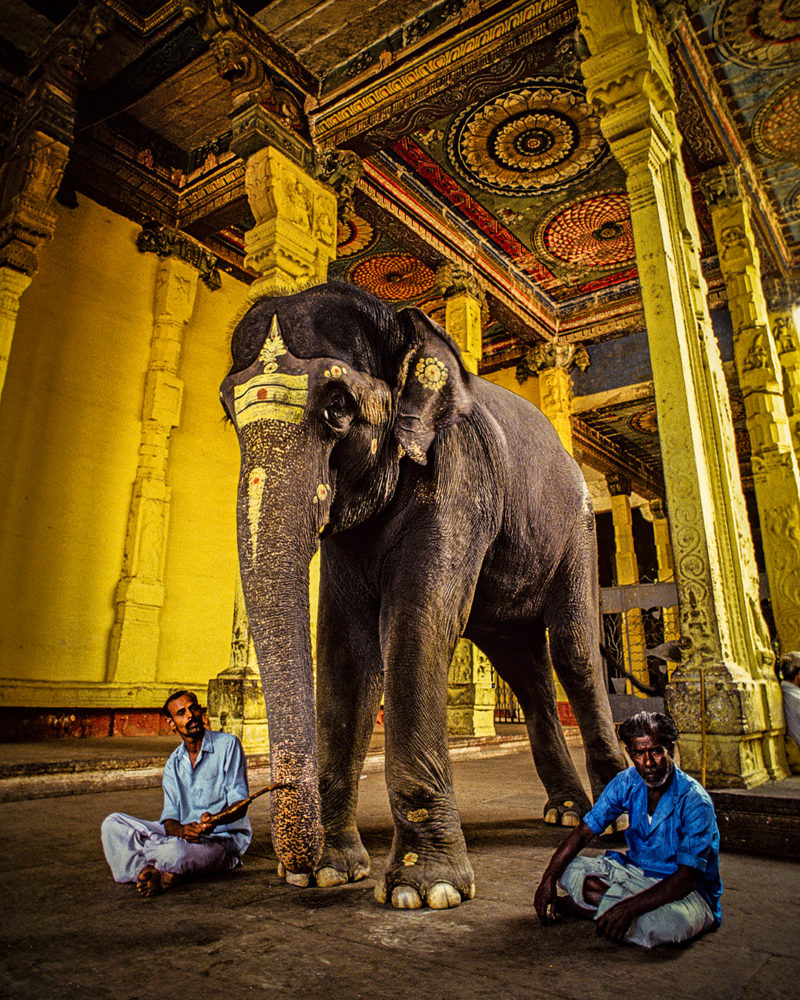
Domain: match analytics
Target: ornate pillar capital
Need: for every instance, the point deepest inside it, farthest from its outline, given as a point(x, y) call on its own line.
point(458, 279)
point(618, 484)
point(552, 355)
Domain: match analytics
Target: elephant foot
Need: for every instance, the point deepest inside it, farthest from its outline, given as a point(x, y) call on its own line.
point(343, 860)
point(413, 883)
point(566, 813)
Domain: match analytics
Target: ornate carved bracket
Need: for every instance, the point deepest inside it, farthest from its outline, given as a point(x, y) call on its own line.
point(554, 354)
point(154, 238)
point(456, 278)
point(340, 169)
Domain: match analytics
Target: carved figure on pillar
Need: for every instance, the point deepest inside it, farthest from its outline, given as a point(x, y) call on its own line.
point(552, 361)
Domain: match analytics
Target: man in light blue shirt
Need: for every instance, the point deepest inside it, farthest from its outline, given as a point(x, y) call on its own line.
point(667, 887)
point(206, 774)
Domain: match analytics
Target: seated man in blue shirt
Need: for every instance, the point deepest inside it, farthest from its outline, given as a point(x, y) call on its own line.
point(667, 887)
point(204, 775)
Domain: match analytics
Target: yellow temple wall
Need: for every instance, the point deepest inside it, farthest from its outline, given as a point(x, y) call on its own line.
point(70, 427)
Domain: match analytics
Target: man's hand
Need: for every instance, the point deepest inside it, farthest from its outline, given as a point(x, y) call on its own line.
point(617, 919)
point(193, 831)
point(187, 831)
point(544, 901)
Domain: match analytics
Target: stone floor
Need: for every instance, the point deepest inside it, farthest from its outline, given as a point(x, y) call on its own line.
point(69, 931)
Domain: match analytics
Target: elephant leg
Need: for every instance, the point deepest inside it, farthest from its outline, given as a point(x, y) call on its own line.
point(428, 863)
point(349, 685)
point(575, 649)
point(525, 665)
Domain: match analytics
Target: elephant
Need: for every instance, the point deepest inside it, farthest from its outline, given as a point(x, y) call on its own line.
point(443, 506)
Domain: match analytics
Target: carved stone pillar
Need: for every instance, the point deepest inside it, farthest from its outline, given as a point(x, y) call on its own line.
point(133, 649)
point(627, 565)
point(39, 149)
point(775, 473)
point(470, 695)
point(723, 695)
point(552, 362)
point(666, 567)
point(465, 303)
point(783, 297)
point(12, 285)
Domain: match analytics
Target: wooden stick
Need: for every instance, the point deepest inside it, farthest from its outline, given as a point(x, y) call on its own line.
point(225, 813)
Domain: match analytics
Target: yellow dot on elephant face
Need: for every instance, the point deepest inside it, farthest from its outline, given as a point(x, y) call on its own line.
point(322, 492)
point(373, 445)
point(410, 859)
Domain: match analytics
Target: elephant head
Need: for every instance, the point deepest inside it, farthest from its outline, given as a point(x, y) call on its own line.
point(328, 390)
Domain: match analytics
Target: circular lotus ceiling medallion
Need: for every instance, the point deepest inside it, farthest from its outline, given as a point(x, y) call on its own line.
point(396, 277)
point(776, 127)
point(760, 32)
point(593, 233)
point(354, 236)
point(538, 137)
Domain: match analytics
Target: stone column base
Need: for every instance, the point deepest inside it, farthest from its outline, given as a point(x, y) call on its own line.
point(470, 695)
point(742, 745)
point(236, 705)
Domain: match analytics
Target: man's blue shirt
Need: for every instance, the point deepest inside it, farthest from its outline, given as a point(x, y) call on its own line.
point(682, 830)
point(217, 780)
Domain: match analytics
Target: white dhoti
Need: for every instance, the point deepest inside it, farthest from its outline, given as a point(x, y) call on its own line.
point(131, 844)
point(678, 921)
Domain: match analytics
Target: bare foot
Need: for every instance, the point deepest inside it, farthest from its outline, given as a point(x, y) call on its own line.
point(151, 881)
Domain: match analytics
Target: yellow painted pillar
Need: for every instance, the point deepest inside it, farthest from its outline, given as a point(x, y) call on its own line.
point(30, 182)
point(133, 649)
point(775, 472)
point(290, 246)
point(666, 567)
point(470, 695)
point(551, 363)
point(12, 285)
point(723, 696)
point(37, 153)
point(633, 642)
point(782, 300)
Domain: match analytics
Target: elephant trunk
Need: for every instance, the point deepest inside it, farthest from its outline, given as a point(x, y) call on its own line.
point(275, 546)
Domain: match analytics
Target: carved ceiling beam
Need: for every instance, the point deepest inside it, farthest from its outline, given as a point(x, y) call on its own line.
point(607, 457)
point(445, 241)
point(518, 24)
point(707, 94)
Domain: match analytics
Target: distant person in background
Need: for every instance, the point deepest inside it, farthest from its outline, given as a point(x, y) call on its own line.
point(204, 775)
point(788, 671)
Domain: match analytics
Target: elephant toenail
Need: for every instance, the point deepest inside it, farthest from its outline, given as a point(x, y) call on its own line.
point(406, 898)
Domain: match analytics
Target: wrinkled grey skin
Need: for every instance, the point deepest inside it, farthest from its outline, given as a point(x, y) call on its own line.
point(445, 506)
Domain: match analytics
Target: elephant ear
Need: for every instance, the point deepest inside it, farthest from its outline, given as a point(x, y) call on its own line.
point(435, 391)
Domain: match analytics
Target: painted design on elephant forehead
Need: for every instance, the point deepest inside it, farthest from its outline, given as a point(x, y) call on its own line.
point(255, 491)
point(273, 347)
point(271, 396)
point(410, 859)
point(335, 371)
point(323, 492)
point(432, 373)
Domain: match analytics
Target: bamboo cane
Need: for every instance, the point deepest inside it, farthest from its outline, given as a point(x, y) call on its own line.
point(220, 817)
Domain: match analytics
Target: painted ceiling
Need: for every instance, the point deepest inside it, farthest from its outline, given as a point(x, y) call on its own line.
point(477, 140)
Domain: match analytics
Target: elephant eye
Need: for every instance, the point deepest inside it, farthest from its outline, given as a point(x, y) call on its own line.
point(338, 410)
